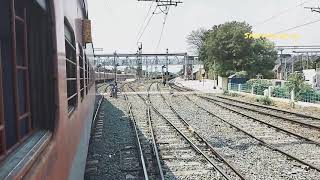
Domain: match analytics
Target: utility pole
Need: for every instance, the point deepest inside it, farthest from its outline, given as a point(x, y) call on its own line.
point(167, 67)
point(292, 65)
point(281, 72)
point(285, 69)
point(147, 69)
point(307, 60)
point(115, 67)
point(185, 67)
point(151, 71)
point(139, 69)
point(156, 68)
point(162, 72)
point(104, 71)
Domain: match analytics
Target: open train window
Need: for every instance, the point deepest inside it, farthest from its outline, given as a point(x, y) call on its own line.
point(82, 70)
point(71, 67)
point(27, 78)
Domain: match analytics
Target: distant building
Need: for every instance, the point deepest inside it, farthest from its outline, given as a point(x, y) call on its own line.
point(312, 77)
point(234, 79)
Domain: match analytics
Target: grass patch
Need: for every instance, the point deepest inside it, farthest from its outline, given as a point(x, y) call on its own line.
point(265, 101)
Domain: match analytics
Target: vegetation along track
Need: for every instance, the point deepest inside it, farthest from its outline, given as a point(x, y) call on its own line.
point(182, 149)
point(290, 144)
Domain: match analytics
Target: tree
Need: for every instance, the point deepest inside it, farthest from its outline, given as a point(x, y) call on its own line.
point(227, 47)
point(297, 84)
point(226, 50)
point(262, 58)
point(196, 39)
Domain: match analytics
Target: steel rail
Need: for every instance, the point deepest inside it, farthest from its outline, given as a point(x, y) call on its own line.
point(265, 113)
point(260, 140)
point(221, 158)
point(260, 121)
point(195, 147)
point(155, 150)
point(270, 109)
point(189, 127)
point(265, 107)
point(273, 108)
point(154, 144)
point(212, 100)
point(137, 138)
point(97, 110)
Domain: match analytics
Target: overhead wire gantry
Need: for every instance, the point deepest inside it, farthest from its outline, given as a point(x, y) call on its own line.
point(165, 3)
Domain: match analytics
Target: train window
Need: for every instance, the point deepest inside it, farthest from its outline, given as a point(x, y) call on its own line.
point(2, 132)
point(86, 72)
point(15, 68)
point(25, 61)
point(91, 76)
point(71, 68)
point(82, 70)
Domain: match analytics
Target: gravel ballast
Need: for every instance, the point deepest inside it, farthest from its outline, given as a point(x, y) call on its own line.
point(115, 151)
point(253, 159)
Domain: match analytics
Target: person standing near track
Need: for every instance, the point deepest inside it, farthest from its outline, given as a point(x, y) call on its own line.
point(114, 90)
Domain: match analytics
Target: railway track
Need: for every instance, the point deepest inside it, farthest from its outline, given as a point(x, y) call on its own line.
point(288, 116)
point(183, 150)
point(149, 156)
point(302, 130)
point(309, 121)
point(112, 156)
point(308, 131)
point(278, 139)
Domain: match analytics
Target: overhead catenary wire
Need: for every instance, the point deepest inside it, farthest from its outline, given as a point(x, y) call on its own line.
point(145, 27)
point(280, 13)
point(162, 29)
point(145, 19)
point(296, 27)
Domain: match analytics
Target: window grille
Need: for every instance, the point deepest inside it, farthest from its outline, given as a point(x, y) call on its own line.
point(71, 68)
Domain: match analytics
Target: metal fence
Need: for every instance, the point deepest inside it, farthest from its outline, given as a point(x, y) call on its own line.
point(311, 97)
point(246, 88)
point(277, 92)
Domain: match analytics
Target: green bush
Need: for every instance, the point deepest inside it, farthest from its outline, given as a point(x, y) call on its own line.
point(301, 89)
point(234, 94)
point(227, 93)
point(281, 92)
point(259, 85)
point(265, 101)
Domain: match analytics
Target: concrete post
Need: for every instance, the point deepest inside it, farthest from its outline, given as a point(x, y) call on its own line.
point(270, 89)
point(266, 92)
point(229, 86)
point(252, 90)
point(185, 67)
point(292, 96)
point(239, 87)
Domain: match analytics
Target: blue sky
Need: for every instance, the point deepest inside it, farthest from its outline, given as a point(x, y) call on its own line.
point(116, 22)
